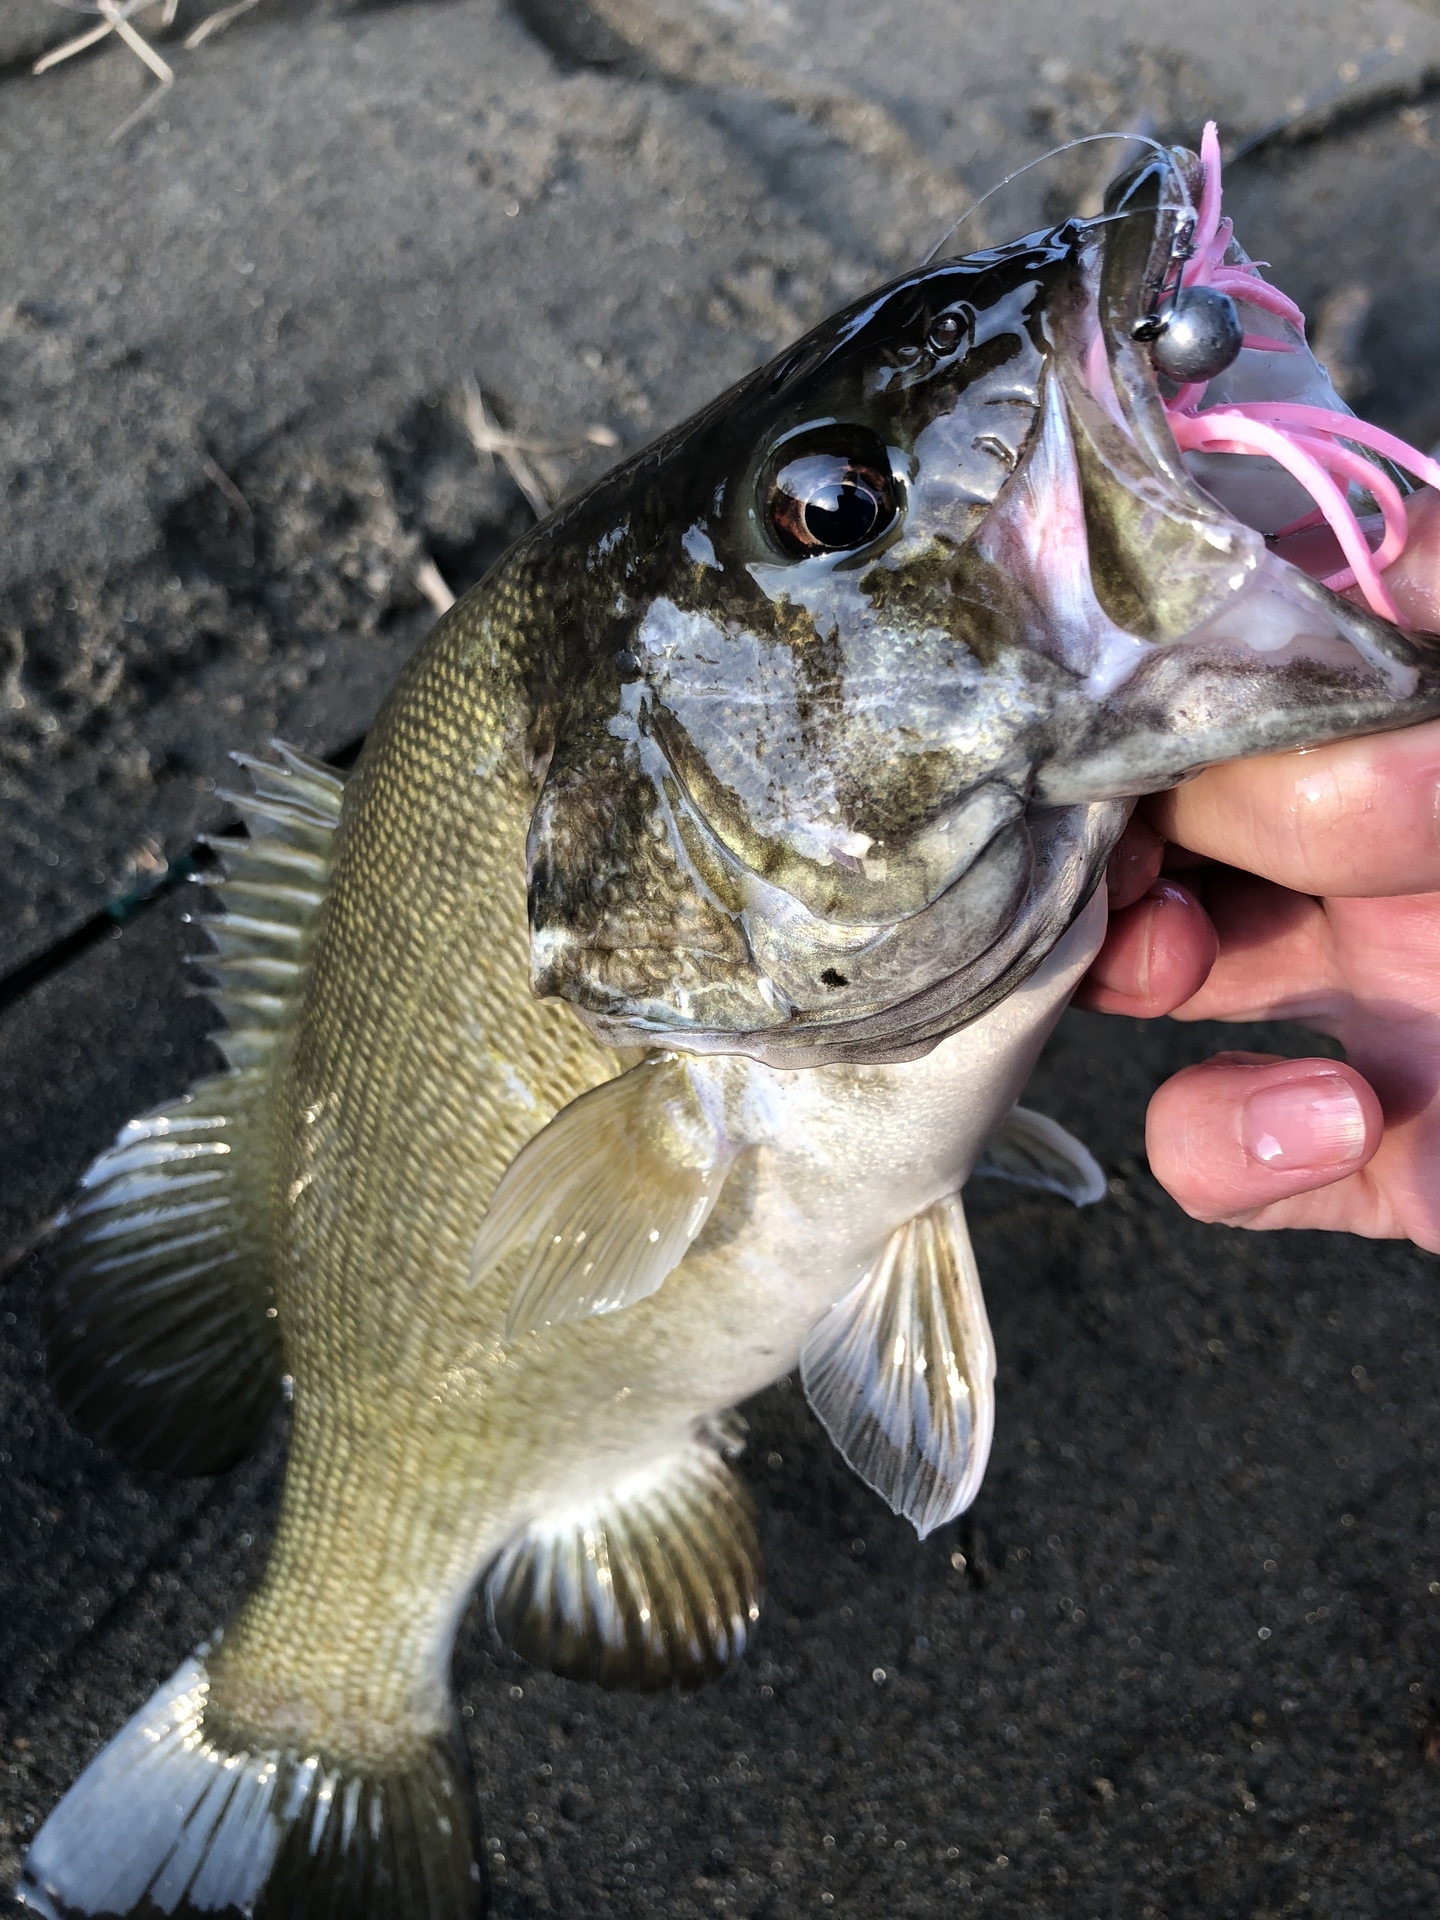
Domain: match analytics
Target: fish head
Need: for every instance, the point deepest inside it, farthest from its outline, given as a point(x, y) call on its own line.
point(842, 691)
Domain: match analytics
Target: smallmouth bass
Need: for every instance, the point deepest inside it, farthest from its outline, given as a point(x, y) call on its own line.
point(621, 1034)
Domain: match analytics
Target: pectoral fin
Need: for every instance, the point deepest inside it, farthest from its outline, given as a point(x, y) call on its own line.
point(901, 1373)
point(607, 1197)
point(1035, 1151)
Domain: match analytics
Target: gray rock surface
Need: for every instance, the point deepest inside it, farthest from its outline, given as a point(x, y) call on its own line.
point(1185, 1663)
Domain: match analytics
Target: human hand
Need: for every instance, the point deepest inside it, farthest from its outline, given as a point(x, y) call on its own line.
point(1326, 911)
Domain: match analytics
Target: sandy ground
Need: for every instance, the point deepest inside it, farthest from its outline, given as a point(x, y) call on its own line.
point(1181, 1659)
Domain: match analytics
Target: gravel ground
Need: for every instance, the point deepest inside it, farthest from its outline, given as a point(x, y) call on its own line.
point(1180, 1659)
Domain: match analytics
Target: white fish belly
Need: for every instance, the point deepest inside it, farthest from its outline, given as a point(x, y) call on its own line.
point(841, 1157)
point(857, 1151)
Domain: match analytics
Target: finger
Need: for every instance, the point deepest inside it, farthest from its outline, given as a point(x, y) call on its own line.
point(1155, 956)
point(1359, 817)
point(1243, 1133)
point(1134, 864)
point(1414, 579)
point(1275, 958)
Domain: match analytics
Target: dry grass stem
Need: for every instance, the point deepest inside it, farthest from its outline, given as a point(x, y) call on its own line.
point(151, 100)
point(77, 45)
point(137, 44)
point(89, 38)
point(433, 584)
point(216, 23)
point(488, 439)
point(218, 477)
point(516, 450)
point(116, 19)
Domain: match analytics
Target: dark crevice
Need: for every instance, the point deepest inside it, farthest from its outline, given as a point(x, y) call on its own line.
point(576, 37)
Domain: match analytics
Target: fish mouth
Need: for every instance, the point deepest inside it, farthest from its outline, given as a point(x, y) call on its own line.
point(1193, 640)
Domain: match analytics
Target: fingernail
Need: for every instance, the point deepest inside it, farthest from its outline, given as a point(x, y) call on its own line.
point(1310, 1123)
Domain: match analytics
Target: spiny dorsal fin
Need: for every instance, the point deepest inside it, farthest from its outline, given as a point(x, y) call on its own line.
point(158, 1318)
point(901, 1373)
point(1035, 1151)
point(655, 1584)
point(270, 896)
point(607, 1197)
point(180, 1815)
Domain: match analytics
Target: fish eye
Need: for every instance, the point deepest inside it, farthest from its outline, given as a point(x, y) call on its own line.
point(824, 502)
point(946, 332)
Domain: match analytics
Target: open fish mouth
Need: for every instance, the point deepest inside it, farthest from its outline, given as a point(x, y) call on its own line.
point(950, 594)
point(1175, 605)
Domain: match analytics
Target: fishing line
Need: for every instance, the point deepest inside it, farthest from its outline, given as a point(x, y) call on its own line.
point(1082, 140)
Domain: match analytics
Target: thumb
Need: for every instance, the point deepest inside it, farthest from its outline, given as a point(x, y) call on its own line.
point(1232, 1137)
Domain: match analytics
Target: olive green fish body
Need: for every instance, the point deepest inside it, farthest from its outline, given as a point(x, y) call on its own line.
point(416, 1074)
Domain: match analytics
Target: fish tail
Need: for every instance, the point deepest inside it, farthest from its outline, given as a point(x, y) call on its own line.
point(158, 1319)
point(183, 1816)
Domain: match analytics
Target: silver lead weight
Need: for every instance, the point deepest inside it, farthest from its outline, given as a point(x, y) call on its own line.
point(1197, 336)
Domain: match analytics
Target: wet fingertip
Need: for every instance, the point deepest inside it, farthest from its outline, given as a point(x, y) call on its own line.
point(1233, 1135)
point(1157, 955)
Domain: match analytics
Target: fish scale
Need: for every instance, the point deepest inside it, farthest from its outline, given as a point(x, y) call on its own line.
point(398, 1114)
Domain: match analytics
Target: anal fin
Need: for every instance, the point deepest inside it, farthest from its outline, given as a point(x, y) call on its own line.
point(158, 1317)
point(1035, 1151)
point(655, 1585)
point(901, 1372)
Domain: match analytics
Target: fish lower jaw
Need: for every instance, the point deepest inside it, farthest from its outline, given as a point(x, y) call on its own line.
point(1279, 615)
